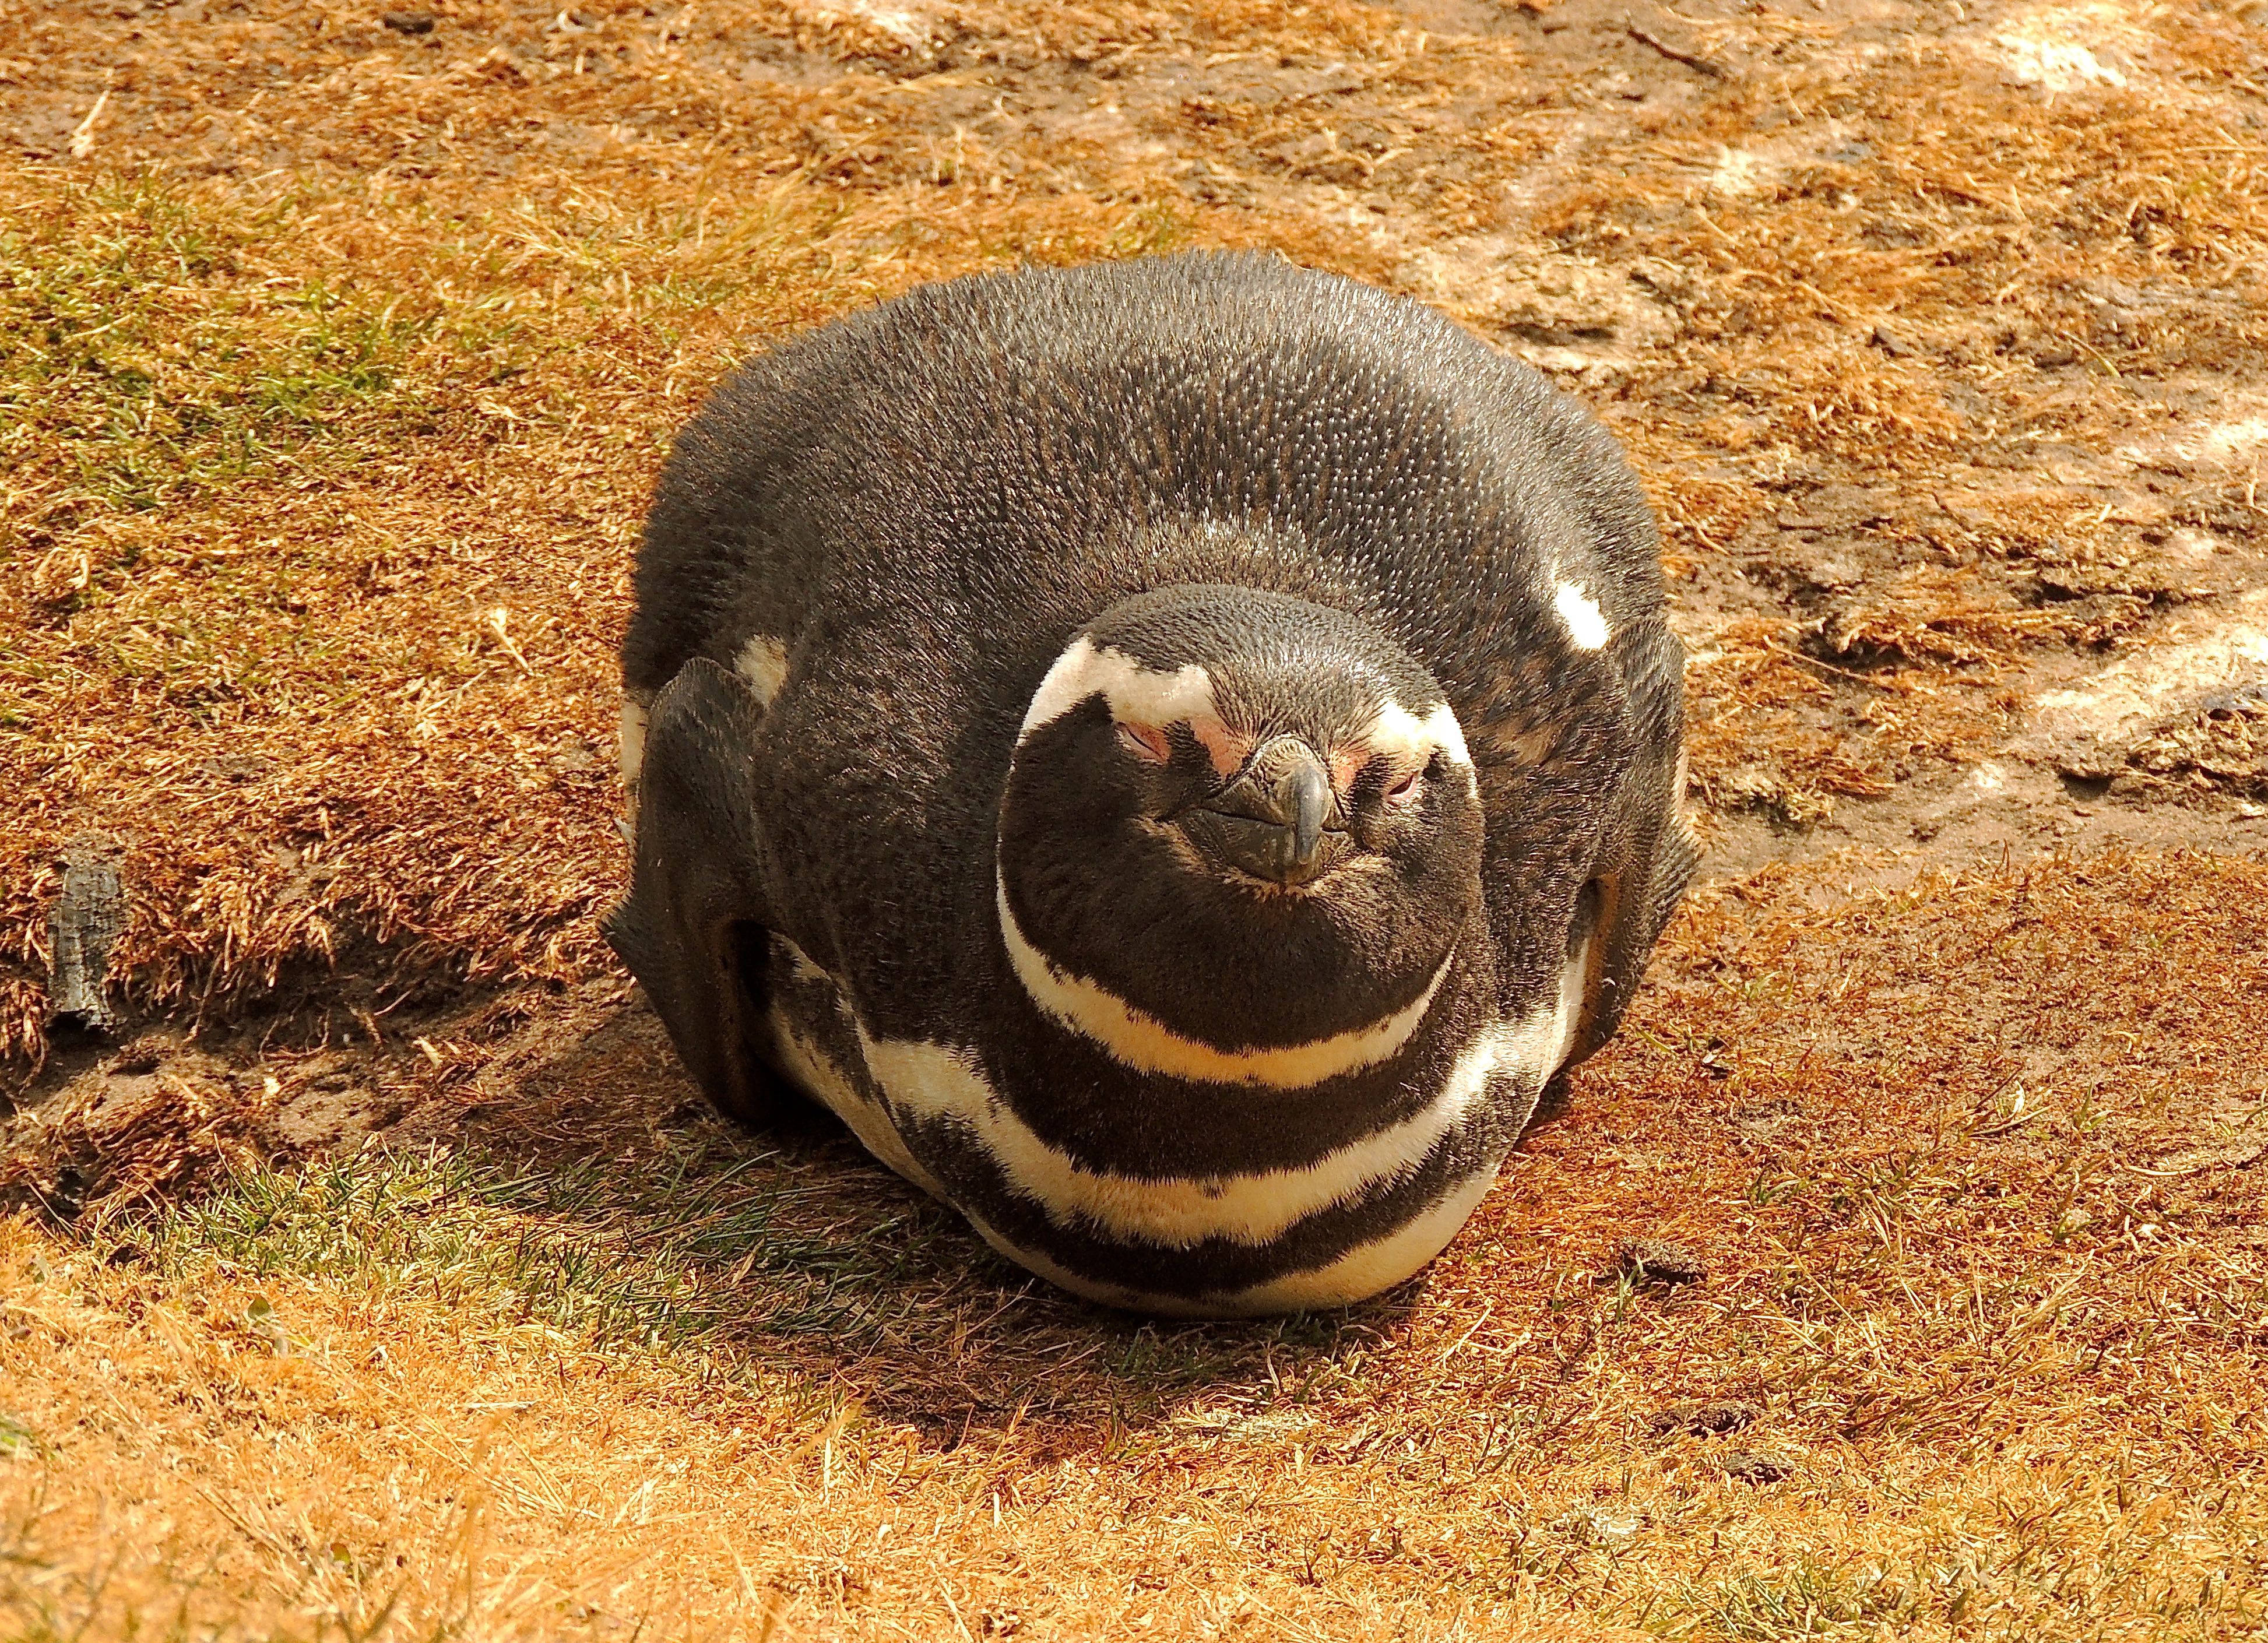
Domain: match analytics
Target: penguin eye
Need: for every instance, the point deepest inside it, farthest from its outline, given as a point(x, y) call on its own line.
point(1146, 742)
point(1405, 791)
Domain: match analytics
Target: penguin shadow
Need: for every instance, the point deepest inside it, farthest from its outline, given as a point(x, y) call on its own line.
point(794, 1255)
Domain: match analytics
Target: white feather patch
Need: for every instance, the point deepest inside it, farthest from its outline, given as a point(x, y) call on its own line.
point(1586, 624)
point(1533, 1048)
point(1138, 1040)
point(1368, 1269)
point(934, 1081)
point(1356, 1275)
point(1556, 1027)
point(762, 662)
point(809, 1066)
point(1137, 694)
point(633, 739)
point(1395, 731)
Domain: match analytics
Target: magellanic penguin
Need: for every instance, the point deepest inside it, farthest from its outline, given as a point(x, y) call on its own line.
point(1175, 753)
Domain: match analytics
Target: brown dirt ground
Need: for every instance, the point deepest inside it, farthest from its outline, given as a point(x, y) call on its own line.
point(338, 356)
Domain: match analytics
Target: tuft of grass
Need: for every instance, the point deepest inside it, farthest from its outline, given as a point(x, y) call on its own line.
point(709, 1254)
point(664, 1260)
point(1782, 1605)
point(151, 351)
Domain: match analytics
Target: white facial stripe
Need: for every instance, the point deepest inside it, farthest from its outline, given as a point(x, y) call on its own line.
point(1138, 1040)
point(1587, 625)
point(762, 662)
point(633, 739)
point(1137, 695)
point(1400, 733)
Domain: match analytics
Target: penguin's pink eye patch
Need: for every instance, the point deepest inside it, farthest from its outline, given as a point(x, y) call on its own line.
point(1225, 748)
point(1400, 773)
point(1146, 742)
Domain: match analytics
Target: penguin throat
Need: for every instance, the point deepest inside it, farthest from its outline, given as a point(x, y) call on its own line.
point(1136, 1039)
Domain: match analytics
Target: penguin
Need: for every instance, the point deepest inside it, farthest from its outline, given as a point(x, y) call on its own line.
point(1177, 754)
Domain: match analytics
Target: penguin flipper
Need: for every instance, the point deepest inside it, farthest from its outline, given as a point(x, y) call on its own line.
point(693, 929)
point(1632, 906)
point(1657, 860)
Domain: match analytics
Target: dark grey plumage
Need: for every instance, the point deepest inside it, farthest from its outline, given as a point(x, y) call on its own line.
point(868, 552)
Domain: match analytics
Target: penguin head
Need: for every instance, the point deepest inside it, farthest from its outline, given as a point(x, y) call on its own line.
point(1239, 838)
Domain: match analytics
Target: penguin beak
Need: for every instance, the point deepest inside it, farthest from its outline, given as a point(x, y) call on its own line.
point(1304, 796)
point(1273, 821)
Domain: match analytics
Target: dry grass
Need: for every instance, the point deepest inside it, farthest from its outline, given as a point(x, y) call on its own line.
point(337, 368)
point(333, 372)
point(2000, 1297)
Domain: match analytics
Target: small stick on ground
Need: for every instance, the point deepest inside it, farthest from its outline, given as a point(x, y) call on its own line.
point(1699, 65)
point(82, 139)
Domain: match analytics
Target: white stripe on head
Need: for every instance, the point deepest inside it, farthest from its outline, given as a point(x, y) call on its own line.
point(762, 662)
point(1137, 1039)
point(1138, 695)
point(1400, 733)
point(1586, 624)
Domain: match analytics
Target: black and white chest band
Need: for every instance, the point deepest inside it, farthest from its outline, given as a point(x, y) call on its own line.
point(1354, 1218)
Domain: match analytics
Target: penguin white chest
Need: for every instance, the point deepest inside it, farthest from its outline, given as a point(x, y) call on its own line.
point(823, 1050)
point(903, 1098)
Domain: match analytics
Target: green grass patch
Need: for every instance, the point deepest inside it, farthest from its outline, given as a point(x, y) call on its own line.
point(694, 1251)
point(1801, 1601)
point(727, 1259)
point(154, 346)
